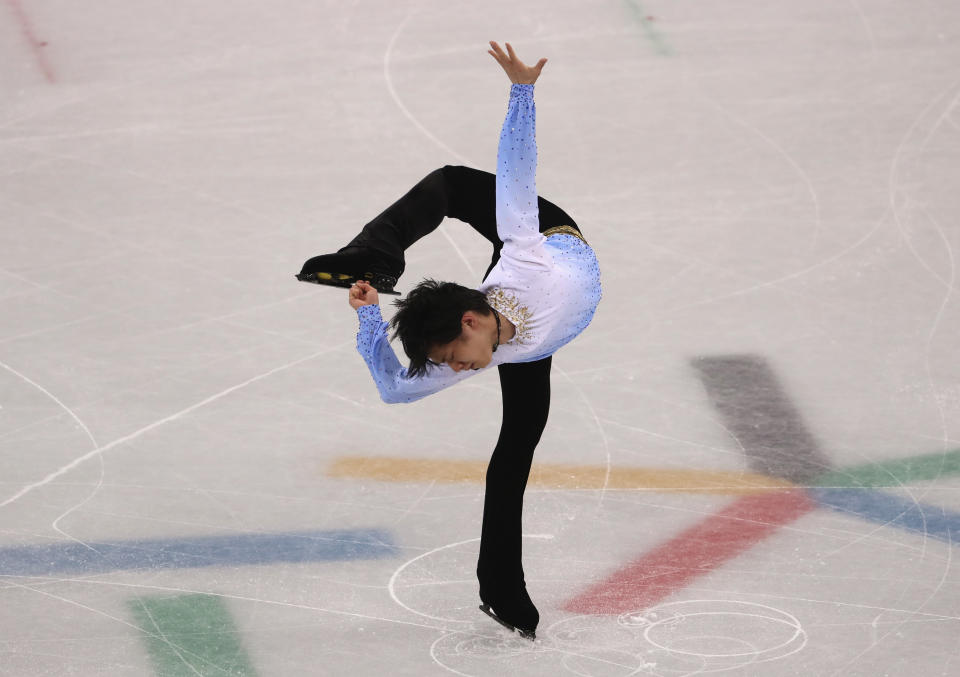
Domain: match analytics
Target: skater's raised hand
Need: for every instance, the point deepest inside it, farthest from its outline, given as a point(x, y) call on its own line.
point(362, 293)
point(518, 72)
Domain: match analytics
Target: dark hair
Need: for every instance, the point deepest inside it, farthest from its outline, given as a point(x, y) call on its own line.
point(431, 315)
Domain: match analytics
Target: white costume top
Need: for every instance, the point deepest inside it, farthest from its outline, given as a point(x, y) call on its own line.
point(548, 287)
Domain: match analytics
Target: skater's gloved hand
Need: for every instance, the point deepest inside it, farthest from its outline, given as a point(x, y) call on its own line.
point(518, 72)
point(362, 293)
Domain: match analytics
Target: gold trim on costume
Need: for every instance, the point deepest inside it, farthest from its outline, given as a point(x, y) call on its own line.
point(567, 230)
point(509, 306)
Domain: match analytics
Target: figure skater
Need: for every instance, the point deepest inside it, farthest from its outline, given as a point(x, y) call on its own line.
point(539, 293)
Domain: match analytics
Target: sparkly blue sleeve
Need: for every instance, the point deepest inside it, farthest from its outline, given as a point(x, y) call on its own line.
point(390, 376)
point(518, 221)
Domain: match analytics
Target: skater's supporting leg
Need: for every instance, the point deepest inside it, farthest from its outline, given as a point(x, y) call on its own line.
point(526, 404)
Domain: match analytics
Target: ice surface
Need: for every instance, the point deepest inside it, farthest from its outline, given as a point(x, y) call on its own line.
point(764, 183)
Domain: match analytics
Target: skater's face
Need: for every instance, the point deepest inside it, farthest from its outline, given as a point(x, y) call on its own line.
point(473, 349)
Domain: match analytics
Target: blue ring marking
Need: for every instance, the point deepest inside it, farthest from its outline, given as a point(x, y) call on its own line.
point(884, 508)
point(230, 551)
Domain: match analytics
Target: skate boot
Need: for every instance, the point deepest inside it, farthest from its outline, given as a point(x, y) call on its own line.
point(349, 265)
point(514, 611)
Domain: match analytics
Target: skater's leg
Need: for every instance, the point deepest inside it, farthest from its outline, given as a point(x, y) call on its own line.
point(526, 404)
point(448, 191)
point(473, 200)
point(462, 193)
point(476, 204)
point(414, 215)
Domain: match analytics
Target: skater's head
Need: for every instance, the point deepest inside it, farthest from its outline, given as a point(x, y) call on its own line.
point(444, 322)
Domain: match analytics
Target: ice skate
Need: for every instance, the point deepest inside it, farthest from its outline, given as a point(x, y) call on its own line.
point(348, 266)
point(527, 634)
point(514, 612)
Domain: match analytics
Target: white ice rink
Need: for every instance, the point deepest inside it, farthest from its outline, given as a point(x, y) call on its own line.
point(753, 458)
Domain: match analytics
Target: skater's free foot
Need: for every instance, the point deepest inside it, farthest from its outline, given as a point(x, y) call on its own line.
point(350, 265)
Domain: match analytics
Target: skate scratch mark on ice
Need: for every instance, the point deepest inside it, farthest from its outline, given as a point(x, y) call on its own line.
point(60, 598)
point(36, 45)
point(228, 492)
point(433, 656)
point(168, 374)
point(712, 418)
point(173, 186)
point(137, 246)
point(896, 627)
point(603, 435)
point(893, 191)
point(940, 407)
point(866, 26)
point(38, 423)
point(737, 274)
point(800, 273)
point(870, 534)
point(179, 651)
point(244, 598)
point(85, 429)
point(937, 399)
point(417, 502)
point(242, 311)
point(528, 648)
point(58, 327)
point(818, 220)
point(416, 123)
point(833, 602)
point(203, 625)
point(165, 589)
point(173, 417)
point(945, 436)
point(893, 176)
point(671, 438)
point(392, 585)
point(98, 93)
point(49, 286)
point(87, 94)
point(270, 332)
point(890, 474)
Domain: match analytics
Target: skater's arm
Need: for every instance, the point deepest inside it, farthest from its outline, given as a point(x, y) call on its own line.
point(518, 223)
point(390, 376)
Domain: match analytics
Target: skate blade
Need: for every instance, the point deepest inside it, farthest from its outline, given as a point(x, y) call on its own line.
point(337, 280)
point(527, 634)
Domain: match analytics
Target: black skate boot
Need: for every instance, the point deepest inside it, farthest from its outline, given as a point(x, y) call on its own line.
point(349, 265)
point(514, 611)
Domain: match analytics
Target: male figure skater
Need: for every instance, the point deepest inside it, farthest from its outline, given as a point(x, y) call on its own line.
point(539, 293)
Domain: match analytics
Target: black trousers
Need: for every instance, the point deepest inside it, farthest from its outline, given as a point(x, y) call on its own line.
point(469, 195)
point(462, 193)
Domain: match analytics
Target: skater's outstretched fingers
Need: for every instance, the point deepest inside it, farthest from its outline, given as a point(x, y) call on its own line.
point(518, 72)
